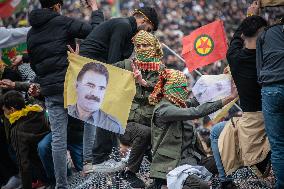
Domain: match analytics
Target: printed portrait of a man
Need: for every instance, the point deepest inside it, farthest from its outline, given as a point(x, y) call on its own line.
point(91, 85)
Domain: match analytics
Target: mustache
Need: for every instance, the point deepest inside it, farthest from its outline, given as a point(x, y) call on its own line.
point(92, 97)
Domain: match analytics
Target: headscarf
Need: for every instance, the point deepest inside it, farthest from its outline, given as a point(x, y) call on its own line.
point(147, 58)
point(23, 112)
point(172, 85)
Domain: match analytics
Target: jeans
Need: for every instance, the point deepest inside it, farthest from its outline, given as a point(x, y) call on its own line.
point(273, 111)
point(88, 141)
point(45, 153)
point(214, 136)
point(58, 118)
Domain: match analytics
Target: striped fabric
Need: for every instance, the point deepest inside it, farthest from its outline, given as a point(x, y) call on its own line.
point(172, 85)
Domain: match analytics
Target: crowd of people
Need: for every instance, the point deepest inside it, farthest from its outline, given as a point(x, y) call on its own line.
point(36, 130)
point(177, 18)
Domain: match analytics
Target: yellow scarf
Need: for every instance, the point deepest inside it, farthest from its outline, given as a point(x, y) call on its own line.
point(24, 112)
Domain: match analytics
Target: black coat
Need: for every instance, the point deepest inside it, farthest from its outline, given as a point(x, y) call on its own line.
point(47, 45)
point(111, 41)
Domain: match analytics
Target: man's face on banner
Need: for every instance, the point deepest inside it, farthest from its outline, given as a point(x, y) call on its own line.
point(90, 91)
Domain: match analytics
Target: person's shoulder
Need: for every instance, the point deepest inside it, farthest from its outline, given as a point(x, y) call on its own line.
point(122, 23)
point(116, 126)
point(109, 117)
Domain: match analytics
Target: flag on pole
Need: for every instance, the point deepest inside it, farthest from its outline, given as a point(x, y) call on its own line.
point(205, 45)
point(7, 7)
point(9, 53)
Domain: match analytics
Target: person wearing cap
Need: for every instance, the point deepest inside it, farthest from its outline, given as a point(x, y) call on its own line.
point(111, 42)
point(47, 48)
point(174, 138)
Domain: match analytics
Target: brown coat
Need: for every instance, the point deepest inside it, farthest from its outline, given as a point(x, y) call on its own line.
point(243, 142)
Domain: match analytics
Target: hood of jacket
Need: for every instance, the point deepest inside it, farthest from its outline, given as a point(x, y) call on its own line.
point(40, 17)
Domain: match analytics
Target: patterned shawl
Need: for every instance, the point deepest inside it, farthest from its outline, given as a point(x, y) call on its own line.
point(148, 51)
point(172, 85)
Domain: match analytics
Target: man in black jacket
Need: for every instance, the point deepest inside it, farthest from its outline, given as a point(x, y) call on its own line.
point(47, 47)
point(111, 42)
point(270, 68)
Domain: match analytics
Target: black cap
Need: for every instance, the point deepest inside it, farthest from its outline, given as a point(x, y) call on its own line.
point(151, 15)
point(50, 3)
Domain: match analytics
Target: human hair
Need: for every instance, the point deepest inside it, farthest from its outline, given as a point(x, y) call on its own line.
point(13, 99)
point(251, 25)
point(95, 67)
point(150, 14)
point(50, 3)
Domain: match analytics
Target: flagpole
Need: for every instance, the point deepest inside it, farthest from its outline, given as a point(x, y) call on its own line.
point(177, 55)
point(196, 71)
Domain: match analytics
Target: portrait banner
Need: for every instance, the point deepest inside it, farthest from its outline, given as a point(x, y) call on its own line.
point(97, 93)
point(210, 88)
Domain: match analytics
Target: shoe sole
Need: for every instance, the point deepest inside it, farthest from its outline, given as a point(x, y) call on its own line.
point(98, 170)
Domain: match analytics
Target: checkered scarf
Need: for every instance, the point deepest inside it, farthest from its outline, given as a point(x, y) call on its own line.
point(147, 57)
point(172, 85)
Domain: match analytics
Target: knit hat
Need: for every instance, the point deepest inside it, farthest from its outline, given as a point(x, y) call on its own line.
point(172, 85)
point(148, 51)
point(150, 14)
point(50, 3)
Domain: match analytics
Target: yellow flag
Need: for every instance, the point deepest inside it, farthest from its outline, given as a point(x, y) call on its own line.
point(224, 111)
point(98, 93)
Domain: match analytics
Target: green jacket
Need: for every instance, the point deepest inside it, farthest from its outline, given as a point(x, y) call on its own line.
point(174, 139)
point(141, 111)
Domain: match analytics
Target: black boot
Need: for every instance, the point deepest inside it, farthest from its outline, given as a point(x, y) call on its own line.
point(134, 181)
point(228, 185)
point(157, 184)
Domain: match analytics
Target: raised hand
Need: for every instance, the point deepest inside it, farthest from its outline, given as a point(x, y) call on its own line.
point(93, 4)
point(34, 90)
point(7, 84)
point(77, 50)
point(254, 8)
point(138, 76)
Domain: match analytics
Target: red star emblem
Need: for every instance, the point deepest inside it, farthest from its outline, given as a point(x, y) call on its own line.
point(204, 45)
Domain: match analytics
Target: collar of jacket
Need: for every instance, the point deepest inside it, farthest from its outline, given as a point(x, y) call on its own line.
point(24, 112)
point(133, 24)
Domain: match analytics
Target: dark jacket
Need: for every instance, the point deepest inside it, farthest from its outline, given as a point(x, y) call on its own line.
point(270, 56)
point(25, 135)
point(75, 131)
point(242, 62)
point(111, 41)
point(174, 138)
point(47, 46)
